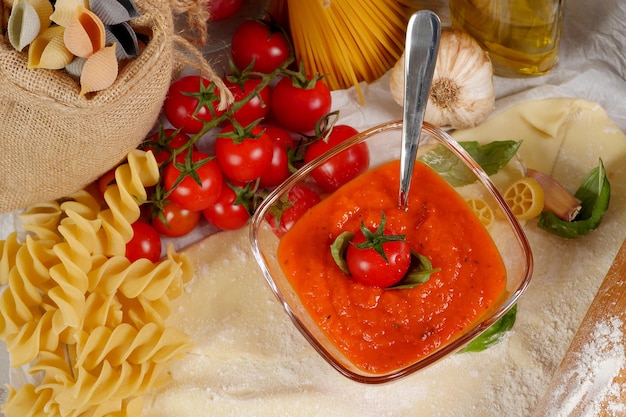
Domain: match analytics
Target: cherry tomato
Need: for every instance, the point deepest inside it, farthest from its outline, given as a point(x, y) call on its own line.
point(106, 180)
point(369, 268)
point(222, 9)
point(145, 243)
point(191, 101)
point(342, 167)
point(243, 156)
point(298, 200)
point(278, 170)
point(298, 107)
point(257, 108)
point(190, 194)
point(259, 42)
point(161, 143)
point(229, 212)
point(178, 221)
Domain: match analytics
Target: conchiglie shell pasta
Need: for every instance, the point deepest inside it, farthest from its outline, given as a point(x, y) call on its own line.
point(24, 24)
point(125, 37)
point(65, 11)
point(113, 12)
point(44, 10)
point(75, 68)
point(85, 34)
point(48, 50)
point(100, 71)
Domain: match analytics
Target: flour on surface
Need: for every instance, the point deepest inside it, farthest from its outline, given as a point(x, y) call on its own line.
point(591, 383)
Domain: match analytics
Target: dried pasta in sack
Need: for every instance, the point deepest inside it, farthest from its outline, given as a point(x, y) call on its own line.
point(62, 130)
point(89, 324)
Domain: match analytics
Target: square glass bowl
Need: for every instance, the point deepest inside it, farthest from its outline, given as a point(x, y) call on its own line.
point(384, 143)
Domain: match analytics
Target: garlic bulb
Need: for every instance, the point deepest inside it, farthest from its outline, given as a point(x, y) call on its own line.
point(462, 93)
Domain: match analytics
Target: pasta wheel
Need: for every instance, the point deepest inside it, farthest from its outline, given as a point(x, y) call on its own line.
point(482, 210)
point(525, 197)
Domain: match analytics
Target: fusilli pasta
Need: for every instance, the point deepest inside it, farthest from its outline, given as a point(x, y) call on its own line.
point(89, 323)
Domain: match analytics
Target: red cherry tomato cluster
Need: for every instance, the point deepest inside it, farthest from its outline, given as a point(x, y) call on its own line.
point(218, 164)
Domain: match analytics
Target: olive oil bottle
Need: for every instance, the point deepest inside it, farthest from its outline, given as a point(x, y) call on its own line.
point(521, 36)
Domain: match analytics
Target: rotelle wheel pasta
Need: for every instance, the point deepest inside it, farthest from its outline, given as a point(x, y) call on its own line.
point(88, 323)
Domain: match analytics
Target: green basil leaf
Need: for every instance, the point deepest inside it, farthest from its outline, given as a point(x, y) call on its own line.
point(494, 333)
point(419, 272)
point(594, 195)
point(491, 157)
point(338, 250)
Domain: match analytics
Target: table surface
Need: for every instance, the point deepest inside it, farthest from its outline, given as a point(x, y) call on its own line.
point(592, 66)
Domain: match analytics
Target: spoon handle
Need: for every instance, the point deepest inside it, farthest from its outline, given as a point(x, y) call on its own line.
point(420, 56)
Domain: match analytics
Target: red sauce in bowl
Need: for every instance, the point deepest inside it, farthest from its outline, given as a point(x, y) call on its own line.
point(381, 330)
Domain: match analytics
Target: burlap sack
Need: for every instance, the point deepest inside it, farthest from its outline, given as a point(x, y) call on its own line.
point(53, 142)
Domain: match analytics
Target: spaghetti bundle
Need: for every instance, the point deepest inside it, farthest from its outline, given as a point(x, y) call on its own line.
point(348, 41)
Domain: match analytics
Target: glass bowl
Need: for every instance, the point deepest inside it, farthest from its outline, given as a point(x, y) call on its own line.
point(384, 145)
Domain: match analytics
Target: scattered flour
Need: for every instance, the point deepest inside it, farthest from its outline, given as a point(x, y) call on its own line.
point(593, 381)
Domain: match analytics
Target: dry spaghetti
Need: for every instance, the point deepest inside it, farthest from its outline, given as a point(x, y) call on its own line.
point(348, 41)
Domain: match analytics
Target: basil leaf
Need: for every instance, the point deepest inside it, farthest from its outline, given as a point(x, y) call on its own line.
point(594, 195)
point(448, 166)
point(493, 334)
point(338, 250)
point(491, 157)
point(419, 272)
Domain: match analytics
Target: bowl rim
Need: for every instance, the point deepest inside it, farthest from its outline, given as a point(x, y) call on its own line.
point(457, 343)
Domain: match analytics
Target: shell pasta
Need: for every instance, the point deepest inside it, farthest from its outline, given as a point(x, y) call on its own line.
point(89, 324)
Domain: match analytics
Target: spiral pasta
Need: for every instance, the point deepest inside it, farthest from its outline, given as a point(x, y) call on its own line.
point(41, 220)
point(89, 323)
point(132, 178)
point(8, 250)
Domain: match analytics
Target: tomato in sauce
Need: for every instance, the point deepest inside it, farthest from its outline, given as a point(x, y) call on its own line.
point(382, 329)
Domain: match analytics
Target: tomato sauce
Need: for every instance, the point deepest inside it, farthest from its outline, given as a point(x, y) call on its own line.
point(380, 330)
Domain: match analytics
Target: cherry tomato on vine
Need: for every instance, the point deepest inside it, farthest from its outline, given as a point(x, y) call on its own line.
point(344, 166)
point(222, 9)
point(291, 207)
point(162, 143)
point(191, 101)
point(369, 267)
point(260, 42)
point(243, 155)
point(178, 221)
point(298, 104)
point(278, 170)
point(145, 243)
point(230, 211)
point(188, 193)
point(257, 108)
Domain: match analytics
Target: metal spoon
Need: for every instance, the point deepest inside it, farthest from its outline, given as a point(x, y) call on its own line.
point(420, 56)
